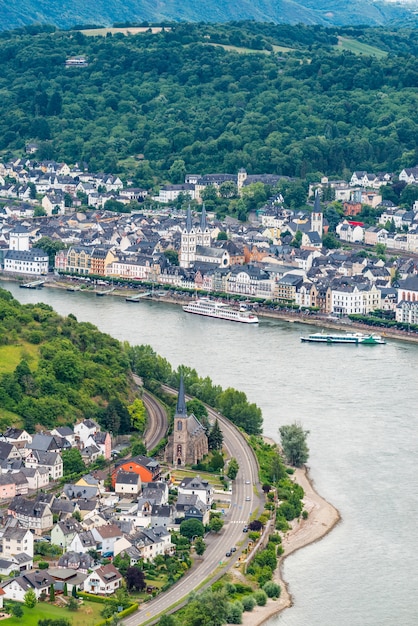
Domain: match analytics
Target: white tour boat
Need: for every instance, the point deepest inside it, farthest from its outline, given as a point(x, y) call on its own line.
point(211, 308)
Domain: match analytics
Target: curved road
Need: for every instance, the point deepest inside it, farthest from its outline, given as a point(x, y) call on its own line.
point(157, 423)
point(245, 486)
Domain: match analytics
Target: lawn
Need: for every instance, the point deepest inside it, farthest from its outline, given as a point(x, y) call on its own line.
point(11, 355)
point(359, 48)
point(87, 615)
point(213, 479)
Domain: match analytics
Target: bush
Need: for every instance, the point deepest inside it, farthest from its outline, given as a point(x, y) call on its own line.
point(92, 598)
point(272, 589)
point(305, 514)
point(235, 610)
point(260, 597)
point(43, 565)
point(248, 602)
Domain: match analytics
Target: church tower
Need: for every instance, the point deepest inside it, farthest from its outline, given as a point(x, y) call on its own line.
point(188, 242)
point(242, 175)
point(180, 432)
point(203, 237)
point(188, 443)
point(317, 217)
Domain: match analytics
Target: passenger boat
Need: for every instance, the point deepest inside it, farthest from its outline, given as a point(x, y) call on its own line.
point(350, 338)
point(210, 308)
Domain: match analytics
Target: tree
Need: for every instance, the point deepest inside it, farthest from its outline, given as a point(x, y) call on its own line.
point(198, 409)
point(17, 611)
point(65, 590)
point(233, 468)
point(72, 462)
point(172, 256)
point(199, 546)
point(138, 414)
point(138, 447)
point(222, 236)
point(215, 438)
point(135, 579)
point(330, 242)
point(192, 527)
point(51, 593)
point(216, 524)
point(256, 526)
point(72, 604)
point(293, 441)
point(30, 599)
point(177, 171)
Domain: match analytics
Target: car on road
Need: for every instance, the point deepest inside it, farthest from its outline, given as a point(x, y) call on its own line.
point(247, 482)
point(245, 529)
point(228, 554)
point(233, 549)
point(247, 499)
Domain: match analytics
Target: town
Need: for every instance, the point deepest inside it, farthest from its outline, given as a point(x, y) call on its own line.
point(277, 256)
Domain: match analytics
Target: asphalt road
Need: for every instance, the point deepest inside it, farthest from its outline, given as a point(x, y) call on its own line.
point(247, 497)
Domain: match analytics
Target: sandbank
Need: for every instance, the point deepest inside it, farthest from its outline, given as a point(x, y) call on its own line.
point(321, 520)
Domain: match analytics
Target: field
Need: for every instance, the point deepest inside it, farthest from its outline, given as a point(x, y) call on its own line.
point(87, 615)
point(11, 355)
point(242, 50)
point(129, 30)
point(345, 43)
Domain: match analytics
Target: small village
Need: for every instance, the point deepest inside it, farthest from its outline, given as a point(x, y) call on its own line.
point(277, 256)
point(62, 537)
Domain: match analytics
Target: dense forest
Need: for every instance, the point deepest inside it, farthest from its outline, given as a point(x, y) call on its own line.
point(204, 98)
point(56, 371)
point(66, 13)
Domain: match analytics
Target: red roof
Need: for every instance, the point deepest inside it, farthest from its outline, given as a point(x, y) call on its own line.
point(355, 223)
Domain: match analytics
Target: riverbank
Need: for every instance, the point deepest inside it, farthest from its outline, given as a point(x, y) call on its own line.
point(322, 517)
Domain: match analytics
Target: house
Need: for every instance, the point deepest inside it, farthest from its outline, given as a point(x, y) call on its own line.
point(103, 581)
point(49, 443)
point(191, 507)
point(147, 468)
point(37, 477)
point(39, 581)
point(14, 541)
point(8, 451)
point(106, 536)
point(128, 484)
point(52, 461)
point(7, 487)
point(33, 514)
point(65, 432)
point(18, 437)
point(151, 543)
point(197, 486)
point(85, 429)
point(76, 560)
point(102, 441)
point(82, 542)
point(64, 532)
point(67, 577)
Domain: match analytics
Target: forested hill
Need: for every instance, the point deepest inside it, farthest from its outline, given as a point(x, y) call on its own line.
point(67, 13)
point(289, 100)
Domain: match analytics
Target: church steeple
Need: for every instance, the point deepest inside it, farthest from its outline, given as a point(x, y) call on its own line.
point(203, 222)
point(181, 409)
point(317, 204)
point(189, 224)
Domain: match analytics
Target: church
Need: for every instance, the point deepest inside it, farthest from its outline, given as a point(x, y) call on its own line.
point(188, 443)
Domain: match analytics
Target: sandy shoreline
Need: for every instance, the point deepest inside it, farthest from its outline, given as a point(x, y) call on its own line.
point(321, 520)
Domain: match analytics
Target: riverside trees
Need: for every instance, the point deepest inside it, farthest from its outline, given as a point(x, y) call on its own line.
point(293, 440)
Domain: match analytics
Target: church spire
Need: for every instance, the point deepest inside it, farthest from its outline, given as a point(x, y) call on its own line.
point(181, 409)
point(189, 224)
point(317, 204)
point(203, 222)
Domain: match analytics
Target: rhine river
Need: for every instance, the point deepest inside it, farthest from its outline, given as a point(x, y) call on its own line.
point(360, 405)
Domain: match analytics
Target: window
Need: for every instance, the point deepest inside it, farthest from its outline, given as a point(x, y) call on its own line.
point(179, 425)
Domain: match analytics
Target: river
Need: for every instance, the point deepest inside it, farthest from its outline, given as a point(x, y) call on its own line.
point(360, 405)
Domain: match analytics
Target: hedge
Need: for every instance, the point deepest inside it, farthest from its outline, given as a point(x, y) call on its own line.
point(131, 609)
point(92, 597)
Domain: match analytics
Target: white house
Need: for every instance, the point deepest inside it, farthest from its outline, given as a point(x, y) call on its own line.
point(104, 581)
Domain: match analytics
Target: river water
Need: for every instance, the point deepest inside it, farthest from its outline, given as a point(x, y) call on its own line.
point(360, 405)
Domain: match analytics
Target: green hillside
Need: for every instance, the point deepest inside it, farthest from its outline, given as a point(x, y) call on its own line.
point(66, 13)
point(57, 371)
point(153, 107)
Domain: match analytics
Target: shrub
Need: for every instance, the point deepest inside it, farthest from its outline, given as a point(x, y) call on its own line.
point(272, 589)
point(234, 612)
point(305, 514)
point(248, 602)
point(43, 565)
point(260, 597)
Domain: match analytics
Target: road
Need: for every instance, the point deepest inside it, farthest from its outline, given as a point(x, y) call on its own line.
point(245, 486)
